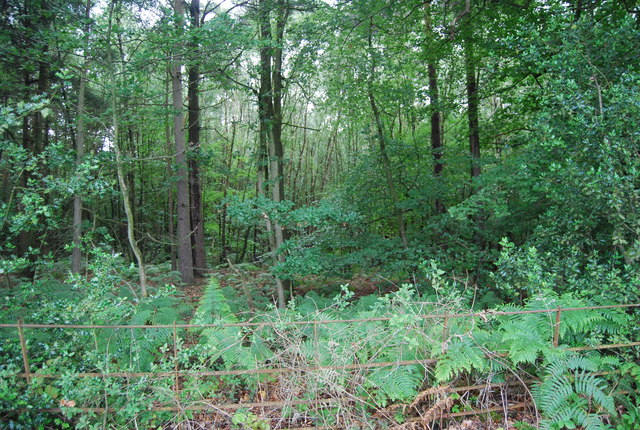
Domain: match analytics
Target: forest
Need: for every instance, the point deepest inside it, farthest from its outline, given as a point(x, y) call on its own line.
point(320, 214)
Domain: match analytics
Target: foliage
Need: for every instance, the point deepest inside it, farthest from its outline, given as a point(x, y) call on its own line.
point(569, 395)
point(551, 221)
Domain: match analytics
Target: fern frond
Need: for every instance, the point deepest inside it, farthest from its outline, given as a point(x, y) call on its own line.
point(213, 306)
point(401, 383)
point(462, 355)
point(571, 391)
point(591, 386)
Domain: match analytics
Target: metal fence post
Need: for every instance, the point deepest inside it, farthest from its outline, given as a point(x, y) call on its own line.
point(316, 342)
point(556, 328)
point(175, 359)
point(445, 324)
point(23, 346)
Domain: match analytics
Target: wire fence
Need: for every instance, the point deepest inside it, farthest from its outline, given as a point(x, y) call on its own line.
point(179, 374)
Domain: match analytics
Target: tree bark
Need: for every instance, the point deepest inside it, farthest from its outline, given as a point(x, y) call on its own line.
point(386, 162)
point(472, 102)
point(119, 166)
point(225, 187)
point(25, 237)
point(170, 200)
point(76, 257)
point(276, 150)
point(185, 256)
point(271, 153)
point(195, 187)
point(436, 115)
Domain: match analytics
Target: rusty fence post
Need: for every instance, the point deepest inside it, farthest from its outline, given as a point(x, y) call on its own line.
point(316, 342)
point(316, 347)
point(556, 328)
point(445, 325)
point(175, 359)
point(23, 346)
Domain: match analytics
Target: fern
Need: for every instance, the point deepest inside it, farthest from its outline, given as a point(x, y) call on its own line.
point(232, 346)
point(213, 306)
point(400, 383)
point(462, 355)
point(571, 395)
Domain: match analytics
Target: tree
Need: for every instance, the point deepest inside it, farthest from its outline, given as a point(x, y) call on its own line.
point(382, 144)
point(434, 101)
point(195, 187)
point(270, 95)
point(79, 146)
point(124, 189)
point(472, 98)
point(185, 255)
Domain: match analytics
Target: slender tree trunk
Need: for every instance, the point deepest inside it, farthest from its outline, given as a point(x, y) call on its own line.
point(276, 149)
point(76, 258)
point(77, 200)
point(119, 166)
point(244, 246)
point(195, 187)
point(577, 10)
point(270, 113)
point(386, 162)
point(34, 139)
point(472, 103)
point(225, 188)
point(131, 175)
point(25, 237)
point(436, 116)
point(185, 256)
point(40, 131)
point(327, 164)
point(298, 190)
point(265, 112)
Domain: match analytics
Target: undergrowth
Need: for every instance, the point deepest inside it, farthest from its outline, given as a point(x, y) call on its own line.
point(415, 347)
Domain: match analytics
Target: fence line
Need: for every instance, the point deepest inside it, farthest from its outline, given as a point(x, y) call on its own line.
point(177, 373)
point(359, 366)
point(484, 314)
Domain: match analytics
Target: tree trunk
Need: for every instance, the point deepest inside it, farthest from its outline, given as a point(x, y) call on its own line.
point(25, 237)
point(225, 188)
point(169, 170)
point(76, 258)
point(472, 103)
point(270, 115)
point(185, 256)
point(386, 162)
point(276, 150)
point(195, 187)
point(119, 167)
point(436, 116)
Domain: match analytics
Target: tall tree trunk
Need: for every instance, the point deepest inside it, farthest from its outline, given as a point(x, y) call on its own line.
point(119, 165)
point(195, 188)
point(170, 201)
point(386, 162)
point(436, 116)
point(76, 258)
point(40, 129)
point(276, 149)
point(472, 102)
point(185, 256)
point(225, 188)
point(25, 237)
point(271, 154)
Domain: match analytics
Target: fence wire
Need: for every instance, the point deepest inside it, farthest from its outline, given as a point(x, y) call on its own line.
point(309, 329)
